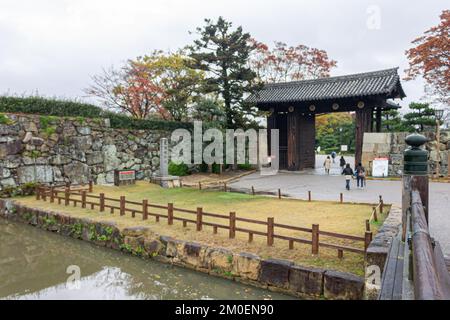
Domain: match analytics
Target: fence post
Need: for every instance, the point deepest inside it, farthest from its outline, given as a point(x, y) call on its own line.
point(68, 185)
point(341, 196)
point(102, 202)
point(375, 217)
point(199, 219)
point(66, 196)
point(253, 190)
point(315, 239)
point(170, 213)
point(90, 186)
point(122, 205)
point(381, 204)
point(340, 254)
point(367, 239)
point(270, 231)
point(232, 230)
point(52, 194)
point(309, 196)
point(83, 199)
point(367, 225)
point(225, 186)
point(279, 193)
point(144, 209)
point(37, 190)
point(199, 185)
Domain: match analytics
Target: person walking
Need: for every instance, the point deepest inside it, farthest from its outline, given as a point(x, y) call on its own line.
point(360, 176)
point(348, 173)
point(342, 163)
point(327, 165)
point(333, 155)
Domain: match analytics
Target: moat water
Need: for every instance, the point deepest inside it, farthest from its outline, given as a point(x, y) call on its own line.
point(36, 264)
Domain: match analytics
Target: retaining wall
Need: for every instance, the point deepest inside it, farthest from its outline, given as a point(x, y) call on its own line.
point(44, 149)
point(273, 274)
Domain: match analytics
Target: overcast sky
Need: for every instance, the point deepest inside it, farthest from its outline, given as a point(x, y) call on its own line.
point(54, 46)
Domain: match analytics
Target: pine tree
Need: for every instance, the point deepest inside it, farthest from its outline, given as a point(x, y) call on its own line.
point(393, 122)
point(224, 53)
point(420, 117)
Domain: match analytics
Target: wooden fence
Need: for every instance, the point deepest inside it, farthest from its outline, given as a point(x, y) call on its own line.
point(79, 196)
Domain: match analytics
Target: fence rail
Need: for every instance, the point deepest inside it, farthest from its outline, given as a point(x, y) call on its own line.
point(79, 197)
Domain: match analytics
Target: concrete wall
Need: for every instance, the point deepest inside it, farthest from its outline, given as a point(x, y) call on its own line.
point(392, 145)
point(54, 150)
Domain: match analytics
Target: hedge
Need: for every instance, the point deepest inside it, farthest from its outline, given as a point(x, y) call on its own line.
point(67, 108)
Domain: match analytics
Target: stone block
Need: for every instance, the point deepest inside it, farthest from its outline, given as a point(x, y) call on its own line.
point(342, 286)
point(218, 260)
point(247, 265)
point(135, 231)
point(275, 272)
point(306, 280)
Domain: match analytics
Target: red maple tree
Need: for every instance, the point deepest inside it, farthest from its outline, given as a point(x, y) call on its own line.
point(287, 63)
point(430, 58)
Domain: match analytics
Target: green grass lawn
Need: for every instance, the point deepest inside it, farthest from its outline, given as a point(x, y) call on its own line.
point(331, 216)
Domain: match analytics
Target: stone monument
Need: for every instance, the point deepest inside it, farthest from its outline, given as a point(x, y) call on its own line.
point(163, 178)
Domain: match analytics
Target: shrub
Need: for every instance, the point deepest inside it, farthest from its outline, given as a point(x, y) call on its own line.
point(178, 169)
point(245, 166)
point(25, 189)
point(49, 108)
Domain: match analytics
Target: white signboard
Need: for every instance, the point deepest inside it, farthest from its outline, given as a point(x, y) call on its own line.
point(380, 167)
point(344, 148)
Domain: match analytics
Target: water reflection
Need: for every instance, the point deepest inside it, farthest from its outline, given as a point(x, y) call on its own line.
point(33, 265)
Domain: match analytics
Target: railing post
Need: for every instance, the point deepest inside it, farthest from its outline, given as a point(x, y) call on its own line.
point(415, 175)
point(253, 190)
point(341, 196)
point(122, 205)
point(232, 230)
point(279, 193)
point(83, 199)
point(199, 219)
point(270, 228)
point(367, 225)
point(102, 202)
point(52, 194)
point(381, 204)
point(90, 186)
point(199, 185)
point(309, 196)
point(375, 216)
point(367, 239)
point(37, 190)
point(170, 213)
point(144, 209)
point(66, 196)
point(315, 239)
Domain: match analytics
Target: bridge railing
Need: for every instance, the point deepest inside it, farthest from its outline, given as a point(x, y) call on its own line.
point(431, 280)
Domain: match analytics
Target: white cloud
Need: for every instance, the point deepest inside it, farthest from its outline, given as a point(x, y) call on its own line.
point(54, 46)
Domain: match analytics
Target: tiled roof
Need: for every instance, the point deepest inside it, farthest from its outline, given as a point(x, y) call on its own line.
point(384, 82)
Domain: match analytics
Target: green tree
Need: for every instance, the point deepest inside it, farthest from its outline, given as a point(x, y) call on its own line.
point(179, 82)
point(393, 122)
point(421, 116)
point(223, 52)
point(210, 111)
point(334, 130)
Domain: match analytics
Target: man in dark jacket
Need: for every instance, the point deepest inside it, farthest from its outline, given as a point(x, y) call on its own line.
point(348, 172)
point(342, 163)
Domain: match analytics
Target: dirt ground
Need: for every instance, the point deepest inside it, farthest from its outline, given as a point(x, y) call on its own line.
point(331, 216)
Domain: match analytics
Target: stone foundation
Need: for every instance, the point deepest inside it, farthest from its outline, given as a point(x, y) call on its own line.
point(46, 149)
point(392, 145)
point(272, 274)
point(378, 250)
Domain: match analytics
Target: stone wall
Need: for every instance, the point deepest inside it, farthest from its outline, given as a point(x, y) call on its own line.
point(378, 250)
point(272, 274)
point(392, 145)
point(54, 150)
